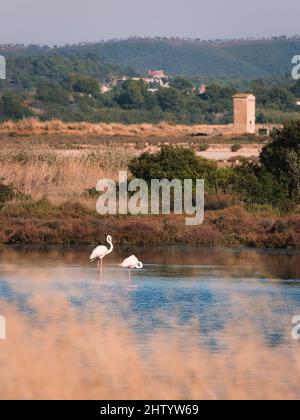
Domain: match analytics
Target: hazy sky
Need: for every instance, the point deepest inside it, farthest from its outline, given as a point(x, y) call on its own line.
point(70, 21)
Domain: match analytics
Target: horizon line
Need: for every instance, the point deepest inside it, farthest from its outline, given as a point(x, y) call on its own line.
point(218, 41)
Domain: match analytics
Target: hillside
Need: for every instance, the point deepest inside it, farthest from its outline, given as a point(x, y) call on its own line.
point(242, 59)
point(87, 82)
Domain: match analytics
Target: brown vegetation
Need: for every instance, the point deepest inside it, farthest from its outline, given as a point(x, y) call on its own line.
point(54, 203)
point(43, 172)
point(33, 126)
point(72, 224)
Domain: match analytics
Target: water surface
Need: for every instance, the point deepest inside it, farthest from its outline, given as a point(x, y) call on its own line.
point(216, 288)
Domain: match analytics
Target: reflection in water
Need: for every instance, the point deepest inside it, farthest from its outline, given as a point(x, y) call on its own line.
point(205, 300)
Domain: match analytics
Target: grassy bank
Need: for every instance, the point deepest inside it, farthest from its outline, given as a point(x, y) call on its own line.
point(51, 203)
point(72, 224)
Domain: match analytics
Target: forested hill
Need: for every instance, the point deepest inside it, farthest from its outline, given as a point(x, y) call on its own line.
point(242, 59)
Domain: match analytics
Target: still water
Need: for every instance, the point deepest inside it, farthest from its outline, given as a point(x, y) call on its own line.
point(215, 288)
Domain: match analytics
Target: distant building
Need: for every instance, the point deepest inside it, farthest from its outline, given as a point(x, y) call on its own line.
point(105, 89)
point(244, 105)
point(298, 101)
point(157, 74)
point(156, 79)
point(202, 89)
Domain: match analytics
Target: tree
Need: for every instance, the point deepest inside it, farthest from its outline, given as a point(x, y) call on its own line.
point(12, 108)
point(215, 92)
point(281, 98)
point(281, 157)
point(293, 165)
point(86, 84)
point(132, 94)
point(175, 163)
point(182, 84)
point(170, 99)
point(255, 185)
point(296, 89)
point(51, 92)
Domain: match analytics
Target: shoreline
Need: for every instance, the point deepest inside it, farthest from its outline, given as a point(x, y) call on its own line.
point(230, 228)
point(155, 247)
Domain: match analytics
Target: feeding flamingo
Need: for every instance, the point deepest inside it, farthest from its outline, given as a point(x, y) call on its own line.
point(131, 263)
point(100, 252)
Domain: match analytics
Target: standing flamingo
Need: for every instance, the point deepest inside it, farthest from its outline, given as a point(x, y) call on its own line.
point(100, 252)
point(131, 263)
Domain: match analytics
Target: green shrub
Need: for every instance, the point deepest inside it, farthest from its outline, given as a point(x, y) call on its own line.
point(176, 163)
point(236, 147)
point(86, 84)
point(11, 108)
point(274, 181)
point(281, 158)
point(255, 185)
point(132, 94)
point(53, 93)
point(220, 201)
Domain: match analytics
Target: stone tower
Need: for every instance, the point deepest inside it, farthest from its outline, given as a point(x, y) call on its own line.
point(244, 113)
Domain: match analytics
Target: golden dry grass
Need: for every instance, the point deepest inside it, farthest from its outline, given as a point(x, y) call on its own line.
point(58, 358)
point(35, 127)
point(43, 172)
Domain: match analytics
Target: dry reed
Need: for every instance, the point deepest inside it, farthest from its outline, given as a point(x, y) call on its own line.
point(43, 172)
point(36, 127)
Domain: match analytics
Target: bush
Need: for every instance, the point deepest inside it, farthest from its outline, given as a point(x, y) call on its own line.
point(53, 93)
point(11, 108)
point(170, 99)
point(176, 163)
point(220, 201)
point(281, 158)
point(132, 94)
point(88, 85)
point(236, 147)
point(254, 185)
point(274, 181)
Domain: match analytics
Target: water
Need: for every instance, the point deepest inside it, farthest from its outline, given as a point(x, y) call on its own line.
point(215, 288)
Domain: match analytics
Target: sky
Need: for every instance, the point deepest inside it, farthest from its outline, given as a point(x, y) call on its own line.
point(58, 22)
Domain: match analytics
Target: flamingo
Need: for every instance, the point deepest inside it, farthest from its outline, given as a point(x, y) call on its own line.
point(131, 263)
point(100, 252)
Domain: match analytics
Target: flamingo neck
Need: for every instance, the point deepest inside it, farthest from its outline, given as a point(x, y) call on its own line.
point(111, 246)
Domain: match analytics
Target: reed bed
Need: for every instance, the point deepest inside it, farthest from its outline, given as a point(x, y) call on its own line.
point(43, 172)
point(35, 127)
